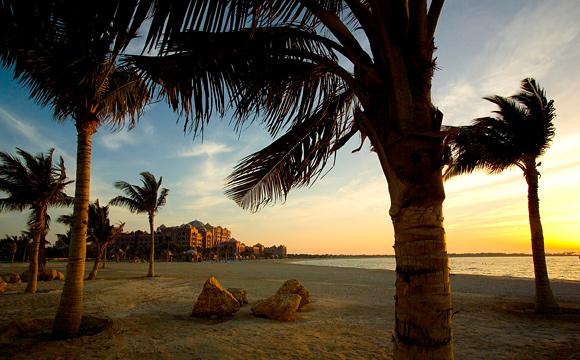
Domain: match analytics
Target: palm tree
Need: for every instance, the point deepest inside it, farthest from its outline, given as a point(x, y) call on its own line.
point(143, 199)
point(282, 62)
point(519, 135)
point(101, 233)
point(65, 52)
point(13, 246)
point(34, 184)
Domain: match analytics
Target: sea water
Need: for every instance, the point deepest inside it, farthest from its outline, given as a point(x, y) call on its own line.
point(559, 267)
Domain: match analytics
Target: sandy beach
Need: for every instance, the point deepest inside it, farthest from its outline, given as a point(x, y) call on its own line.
point(351, 315)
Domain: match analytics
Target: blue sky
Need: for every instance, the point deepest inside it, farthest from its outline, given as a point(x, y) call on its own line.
point(484, 48)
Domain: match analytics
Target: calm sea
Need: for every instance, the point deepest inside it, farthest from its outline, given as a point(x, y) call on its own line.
point(559, 267)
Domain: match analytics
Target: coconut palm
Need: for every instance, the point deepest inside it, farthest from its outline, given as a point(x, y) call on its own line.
point(65, 52)
point(143, 199)
point(518, 136)
point(33, 183)
point(317, 73)
point(101, 233)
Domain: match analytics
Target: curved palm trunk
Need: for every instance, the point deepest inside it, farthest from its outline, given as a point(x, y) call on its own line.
point(37, 231)
point(545, 300)
point(151, 272)
point(70, 310)
point(98, 257)
point(105, 258)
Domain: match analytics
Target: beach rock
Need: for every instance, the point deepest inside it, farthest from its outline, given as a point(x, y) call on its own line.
point(239, 294)
point(278, 307)
point(2, 285)
point(60, 276)
point(11, 278)
point(294, 287)
point(214, 300)
point(47, 275)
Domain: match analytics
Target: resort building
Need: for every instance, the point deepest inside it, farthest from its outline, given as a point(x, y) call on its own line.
point(196, 235)
point(276, 251)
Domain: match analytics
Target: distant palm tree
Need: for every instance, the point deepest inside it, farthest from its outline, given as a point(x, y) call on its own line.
point(143, 199)
point(521, 132)
point(101, 233)
point(65, 52)
point(34, 184)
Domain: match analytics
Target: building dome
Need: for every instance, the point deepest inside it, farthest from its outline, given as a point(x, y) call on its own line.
point(196, 223)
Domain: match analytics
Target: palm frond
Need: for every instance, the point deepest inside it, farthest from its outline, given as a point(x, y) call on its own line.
point(294, 160)
point(253, 69)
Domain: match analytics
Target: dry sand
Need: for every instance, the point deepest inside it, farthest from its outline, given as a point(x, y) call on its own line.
point(351, 316)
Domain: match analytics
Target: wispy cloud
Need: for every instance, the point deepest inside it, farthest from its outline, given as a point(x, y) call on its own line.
point(208, 148)
point(33, 135)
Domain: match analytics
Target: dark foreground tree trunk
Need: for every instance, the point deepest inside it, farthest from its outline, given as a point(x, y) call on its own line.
point(545, 300)
point(423, 310)
point(70, 310)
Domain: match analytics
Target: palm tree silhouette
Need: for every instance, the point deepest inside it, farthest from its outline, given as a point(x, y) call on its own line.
point(34, 184)
point(281, 62)
point(65, 52)
point(101, 233)
point(143, 199)
point(519, 135)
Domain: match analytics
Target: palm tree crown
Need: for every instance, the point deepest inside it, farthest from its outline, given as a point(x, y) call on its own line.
point(141, 199)
point(521, 132)
point(32, 183)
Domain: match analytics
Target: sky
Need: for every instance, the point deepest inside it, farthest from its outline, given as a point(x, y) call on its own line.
point(484, 48)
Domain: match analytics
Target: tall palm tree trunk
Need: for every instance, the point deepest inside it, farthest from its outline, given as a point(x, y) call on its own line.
point(37, 231)
point(151, 272)
point(545, 300)
point(70, 310)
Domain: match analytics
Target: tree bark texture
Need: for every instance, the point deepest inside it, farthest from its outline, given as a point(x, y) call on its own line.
point(70, 310)
point(545, 301)
point(412, 165)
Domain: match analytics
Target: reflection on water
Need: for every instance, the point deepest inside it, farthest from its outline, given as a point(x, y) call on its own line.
point(559, 267)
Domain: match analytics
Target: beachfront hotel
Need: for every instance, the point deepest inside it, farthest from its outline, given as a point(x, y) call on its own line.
point(195, 235)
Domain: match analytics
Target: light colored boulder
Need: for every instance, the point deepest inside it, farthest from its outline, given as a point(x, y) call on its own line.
point(2, 285)
point(60, 276)
point(239, 294)
point(294, 287)
point(278, 307)
point(214, 300)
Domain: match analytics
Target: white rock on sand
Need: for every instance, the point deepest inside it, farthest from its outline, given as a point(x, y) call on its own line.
point(351, 315)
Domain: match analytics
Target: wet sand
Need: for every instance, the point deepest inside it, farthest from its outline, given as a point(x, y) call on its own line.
point(351, 315)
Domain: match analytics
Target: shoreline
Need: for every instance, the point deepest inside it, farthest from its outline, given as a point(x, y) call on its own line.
point(351, 316)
